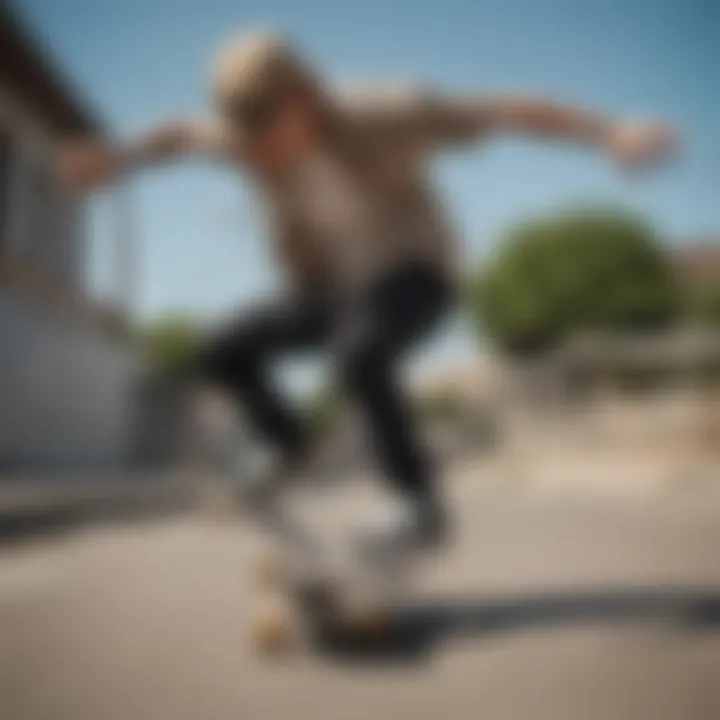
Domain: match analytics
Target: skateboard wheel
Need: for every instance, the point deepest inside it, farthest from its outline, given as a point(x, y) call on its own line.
point(272, 627)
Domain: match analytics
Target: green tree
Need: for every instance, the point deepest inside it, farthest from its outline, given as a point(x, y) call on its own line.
point(577, 270)
point(325, 407)
point(441, 406)
point(171, 342)
point(703, 304)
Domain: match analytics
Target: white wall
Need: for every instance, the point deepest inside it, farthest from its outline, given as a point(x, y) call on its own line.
point(43, 219)
point(66, 394)
point(66, 389)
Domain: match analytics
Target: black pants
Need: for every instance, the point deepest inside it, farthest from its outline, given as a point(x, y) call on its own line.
point(367, 338)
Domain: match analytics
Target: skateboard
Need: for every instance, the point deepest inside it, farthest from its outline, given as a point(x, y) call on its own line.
point(306, 599)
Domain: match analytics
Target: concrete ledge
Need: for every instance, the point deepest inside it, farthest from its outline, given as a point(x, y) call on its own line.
point(37, 506)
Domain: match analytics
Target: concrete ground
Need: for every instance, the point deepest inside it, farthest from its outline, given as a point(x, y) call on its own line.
point(556, 605)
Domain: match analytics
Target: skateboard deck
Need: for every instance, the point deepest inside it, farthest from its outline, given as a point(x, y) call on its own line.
point(316, 615)
point(306, 598)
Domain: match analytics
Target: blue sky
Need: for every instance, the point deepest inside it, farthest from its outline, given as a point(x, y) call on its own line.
point(202, 250)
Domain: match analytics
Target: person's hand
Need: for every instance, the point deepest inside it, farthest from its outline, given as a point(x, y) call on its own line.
point(85, 165)
point(636, 145)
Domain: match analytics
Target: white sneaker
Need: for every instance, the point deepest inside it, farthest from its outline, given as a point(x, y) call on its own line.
point(399, 528)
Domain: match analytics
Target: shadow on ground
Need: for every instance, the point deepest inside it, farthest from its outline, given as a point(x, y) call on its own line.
point(419, 628)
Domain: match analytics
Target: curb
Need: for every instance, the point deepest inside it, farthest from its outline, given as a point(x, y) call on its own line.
point(54, 509)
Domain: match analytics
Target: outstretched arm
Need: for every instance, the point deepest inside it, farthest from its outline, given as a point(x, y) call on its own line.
point(630, 143)
point(88, 164)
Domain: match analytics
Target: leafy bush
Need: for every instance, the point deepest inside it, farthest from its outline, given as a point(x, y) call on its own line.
point(170, 342)
point(576, 271)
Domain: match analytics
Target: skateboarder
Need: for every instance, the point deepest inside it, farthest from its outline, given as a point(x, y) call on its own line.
point(369, 254)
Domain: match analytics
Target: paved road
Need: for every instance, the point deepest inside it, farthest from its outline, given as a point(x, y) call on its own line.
point(549, 606)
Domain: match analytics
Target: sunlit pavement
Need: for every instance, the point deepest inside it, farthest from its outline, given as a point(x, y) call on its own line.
point(548, 605)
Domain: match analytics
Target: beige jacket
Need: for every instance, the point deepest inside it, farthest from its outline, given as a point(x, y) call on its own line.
point(384, 140)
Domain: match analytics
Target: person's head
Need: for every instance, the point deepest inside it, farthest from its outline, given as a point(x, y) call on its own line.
point(267, 94)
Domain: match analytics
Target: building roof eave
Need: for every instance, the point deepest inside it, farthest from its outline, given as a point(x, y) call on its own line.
point(27, 70)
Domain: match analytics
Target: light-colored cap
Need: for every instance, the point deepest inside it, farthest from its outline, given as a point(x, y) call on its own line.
point(255, 72)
